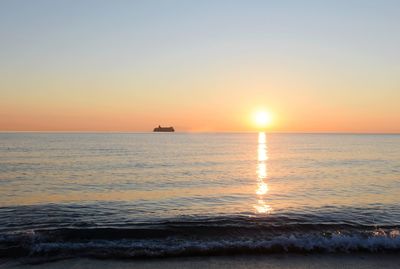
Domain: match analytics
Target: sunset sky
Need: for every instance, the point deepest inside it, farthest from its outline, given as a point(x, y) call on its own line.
point(316, 66)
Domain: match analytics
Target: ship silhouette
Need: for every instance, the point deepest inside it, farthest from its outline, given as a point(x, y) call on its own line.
point(164, 129)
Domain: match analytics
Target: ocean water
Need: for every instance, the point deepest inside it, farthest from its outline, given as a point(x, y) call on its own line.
point(128, 195)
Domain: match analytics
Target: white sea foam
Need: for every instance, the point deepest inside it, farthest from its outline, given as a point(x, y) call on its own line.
point(177, 246)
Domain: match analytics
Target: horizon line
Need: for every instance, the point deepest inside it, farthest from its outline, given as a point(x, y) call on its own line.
point(213, 132)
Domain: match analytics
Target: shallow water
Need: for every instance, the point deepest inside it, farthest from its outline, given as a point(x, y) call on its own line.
point(161, 194)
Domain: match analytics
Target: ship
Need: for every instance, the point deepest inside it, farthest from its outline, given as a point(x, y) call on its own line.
point(164, 129)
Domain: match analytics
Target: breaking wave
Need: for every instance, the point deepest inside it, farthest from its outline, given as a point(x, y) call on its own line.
point(213, 237)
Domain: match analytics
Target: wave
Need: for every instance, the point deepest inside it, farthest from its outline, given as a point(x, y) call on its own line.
point(185, 239)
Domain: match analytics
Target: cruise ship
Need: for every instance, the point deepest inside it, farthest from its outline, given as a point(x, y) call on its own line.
point(164, 129)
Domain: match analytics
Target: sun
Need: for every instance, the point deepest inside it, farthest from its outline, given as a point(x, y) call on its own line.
point(262, 119)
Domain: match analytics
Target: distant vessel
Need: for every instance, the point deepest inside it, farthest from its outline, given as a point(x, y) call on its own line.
point(164, 129)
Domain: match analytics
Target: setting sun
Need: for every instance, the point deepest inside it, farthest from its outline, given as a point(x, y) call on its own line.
point(262, 119)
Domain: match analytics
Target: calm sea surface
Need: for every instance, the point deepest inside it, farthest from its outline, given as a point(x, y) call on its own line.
point(171, 194)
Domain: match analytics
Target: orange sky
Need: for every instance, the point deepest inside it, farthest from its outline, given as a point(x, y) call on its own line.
point(199, 67)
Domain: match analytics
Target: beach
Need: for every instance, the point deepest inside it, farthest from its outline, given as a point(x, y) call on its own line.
point(327, 261)
point(199, 134)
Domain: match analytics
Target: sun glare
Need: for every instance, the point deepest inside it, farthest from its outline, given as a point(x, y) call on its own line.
point(262, 119)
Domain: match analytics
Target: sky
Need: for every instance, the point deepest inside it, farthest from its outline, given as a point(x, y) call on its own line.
point(315, 66)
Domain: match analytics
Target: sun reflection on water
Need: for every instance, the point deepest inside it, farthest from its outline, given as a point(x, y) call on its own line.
point(262, 187)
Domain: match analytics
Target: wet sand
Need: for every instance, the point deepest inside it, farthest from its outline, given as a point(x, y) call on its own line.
point(326, 261)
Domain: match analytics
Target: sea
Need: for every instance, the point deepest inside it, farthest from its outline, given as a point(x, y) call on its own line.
point(158, 195)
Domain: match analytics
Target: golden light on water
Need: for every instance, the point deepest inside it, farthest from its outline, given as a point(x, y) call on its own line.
point(262, 207)
point(262, 187)
point(262, 171)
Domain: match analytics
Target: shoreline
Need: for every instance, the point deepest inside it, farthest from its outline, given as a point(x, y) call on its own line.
point(273, 261)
